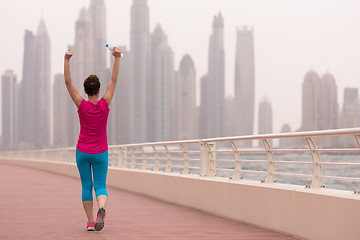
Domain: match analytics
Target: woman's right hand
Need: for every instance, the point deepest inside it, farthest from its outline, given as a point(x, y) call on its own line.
point(116, 52)
point(68, 55)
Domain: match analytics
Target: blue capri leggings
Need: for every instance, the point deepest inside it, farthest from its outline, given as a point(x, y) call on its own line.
point(90, 165)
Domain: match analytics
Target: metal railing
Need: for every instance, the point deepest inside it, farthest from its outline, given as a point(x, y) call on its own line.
point(308, 157)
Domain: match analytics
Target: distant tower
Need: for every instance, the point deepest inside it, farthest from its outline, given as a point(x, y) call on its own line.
point(244, 82)
point(328, 103)
point(82, 65)
point(98, 18)
point(319, 102)
point(97, 12)
point(8, 100)
point(265, 118)
point(26, 98)
point(62, 111)
point(215, 87)
point(140, 62)
point(310, 101)
point(164, 89)
point(158, 38)
point(42, 87)
point(186, 99)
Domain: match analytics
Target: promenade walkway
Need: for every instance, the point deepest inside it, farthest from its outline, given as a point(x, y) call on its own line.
point(40, 205)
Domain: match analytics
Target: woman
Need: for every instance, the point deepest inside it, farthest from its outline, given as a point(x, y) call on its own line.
point(92, 148)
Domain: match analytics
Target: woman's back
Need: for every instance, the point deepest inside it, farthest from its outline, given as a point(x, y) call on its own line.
point(93, 122)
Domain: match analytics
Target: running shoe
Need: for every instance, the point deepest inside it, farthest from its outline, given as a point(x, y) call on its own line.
point(90, 226)
point(99, 223)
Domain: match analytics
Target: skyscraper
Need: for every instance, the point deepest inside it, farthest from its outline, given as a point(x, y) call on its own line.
point(82, 65)
point(265, 118)
point(97, 13)
point(8, 100)
point(98, 19)
point(215, 86)
point(62, 112)
point(319, 102)
point(329, 109)
point(158, 38)
point(42, 88)
point(310, 102)
point(244, 82)
point(26, 98)
point(186, 99)
point(320, 107)
point(140, 75)
point(164, 92)
point(34, 100)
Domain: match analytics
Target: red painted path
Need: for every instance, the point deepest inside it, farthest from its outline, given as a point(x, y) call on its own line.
point(40, 205)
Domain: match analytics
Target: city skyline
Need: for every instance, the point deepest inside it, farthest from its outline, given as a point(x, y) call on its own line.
point(345, 74)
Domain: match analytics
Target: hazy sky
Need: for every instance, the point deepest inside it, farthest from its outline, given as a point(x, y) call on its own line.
point(290, 38)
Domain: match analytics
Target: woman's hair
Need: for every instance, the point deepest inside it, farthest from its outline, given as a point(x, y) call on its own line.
point(92, 85)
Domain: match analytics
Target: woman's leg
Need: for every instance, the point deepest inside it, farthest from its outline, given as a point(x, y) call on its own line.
point(88, 207)
point(84, 166)
point(100, 168)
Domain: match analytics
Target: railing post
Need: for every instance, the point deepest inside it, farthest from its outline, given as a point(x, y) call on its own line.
point(157, 159)
point(122, 157)
point(186, 159)
point(144, 162)
point(270, 177)
point(207, 160)
point(168, 162)
point(238, 165)
point(133, 160)
point(317, 170)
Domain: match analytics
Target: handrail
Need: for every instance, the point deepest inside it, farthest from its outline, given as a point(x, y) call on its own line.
point(227, 158)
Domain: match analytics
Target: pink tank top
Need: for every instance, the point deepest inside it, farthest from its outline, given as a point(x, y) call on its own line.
point(93, 122)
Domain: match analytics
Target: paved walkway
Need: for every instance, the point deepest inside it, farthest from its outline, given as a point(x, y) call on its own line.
point(40, 205)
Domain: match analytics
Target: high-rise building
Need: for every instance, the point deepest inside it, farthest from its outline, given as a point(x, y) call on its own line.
point(8, 100)
point(97, 13)
point(186, 112)
point(244, 82)
point(319, 105)
point(265, 118)
point(158, 38)
point(140, 75)
point(98, 19)
point(82, 64)
point(215, 86)
point(310, 102)
point(42, 88)
point(328, 105)
point(34, 100)
point(26, 98)
point(62, 111)
point(319, 102)
point(164, 91)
